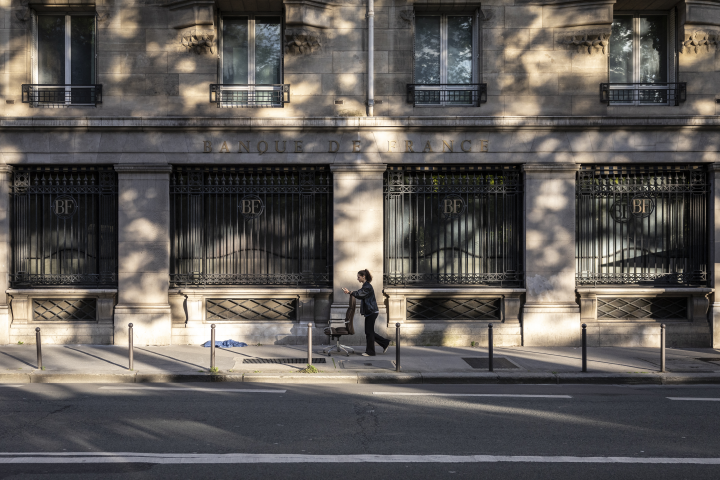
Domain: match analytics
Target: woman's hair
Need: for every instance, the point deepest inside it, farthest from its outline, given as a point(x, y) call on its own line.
point(366, 273)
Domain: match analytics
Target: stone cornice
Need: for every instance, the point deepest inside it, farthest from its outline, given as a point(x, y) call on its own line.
point(359, 167)
point(142, 168)
point(550, 167)
point(350, 123)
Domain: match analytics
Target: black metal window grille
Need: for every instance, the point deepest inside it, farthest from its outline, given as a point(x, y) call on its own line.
point(658, 308)
point(641, 225)
point(251, 225)
point(249, 96)
point(460, 95)
point(453, 225)
point(64, 310)
point(643, 93)
point(64, 226)
point(61, 96)
point(219, 309)
point(431, 308)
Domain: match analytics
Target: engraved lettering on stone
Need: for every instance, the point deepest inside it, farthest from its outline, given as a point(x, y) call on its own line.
point(391, 144)
point(207, 146)
point(462, 146)
point(277, 149)
point(484, 145)
point(356, 146)
point(298, 146)
point(246, 147)
point(333, 146)
point(449, 147)
point(224, 148)
point(262, 149)
point(409, 146)
point(428, 148)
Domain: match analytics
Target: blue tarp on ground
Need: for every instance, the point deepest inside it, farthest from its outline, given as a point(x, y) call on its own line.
point(226, 344)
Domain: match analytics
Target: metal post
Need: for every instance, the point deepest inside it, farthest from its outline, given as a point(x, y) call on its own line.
point(490, 347)
point(309, 343)
point(130, 344)
point(212, 346)
point(371, 55)
point(662, 348)
point(397, 347)
point(38, 342)
point(584, 347)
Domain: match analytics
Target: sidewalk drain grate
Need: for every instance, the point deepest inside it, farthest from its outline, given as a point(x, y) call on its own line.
point(302, 361)
point(498, 362)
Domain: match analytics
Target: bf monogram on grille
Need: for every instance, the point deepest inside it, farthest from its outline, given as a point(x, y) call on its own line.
point(64, 206)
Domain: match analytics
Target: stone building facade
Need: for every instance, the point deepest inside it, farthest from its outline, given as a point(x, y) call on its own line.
point(535, 164)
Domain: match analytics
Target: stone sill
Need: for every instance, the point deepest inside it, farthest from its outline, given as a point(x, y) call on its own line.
point(635, 292)
point(270, 291)
point(22, 304)
point(56, 292)
point(264, 123)
point(466, 291)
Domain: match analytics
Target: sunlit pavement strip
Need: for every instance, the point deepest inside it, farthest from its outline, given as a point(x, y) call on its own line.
point(190, 458)
point(403, 394)
point(197, 389)
point(695, 399)
point(12, 385)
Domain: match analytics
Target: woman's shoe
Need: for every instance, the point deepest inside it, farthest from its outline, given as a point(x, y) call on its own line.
point(367, 355)
point(385, 348)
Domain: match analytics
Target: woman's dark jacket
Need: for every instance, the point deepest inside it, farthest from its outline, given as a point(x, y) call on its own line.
point(366, 295)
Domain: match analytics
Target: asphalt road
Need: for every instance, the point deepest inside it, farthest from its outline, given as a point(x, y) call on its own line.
point(358, 431)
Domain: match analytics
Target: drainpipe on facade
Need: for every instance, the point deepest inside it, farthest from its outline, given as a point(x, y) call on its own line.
point(371, 57)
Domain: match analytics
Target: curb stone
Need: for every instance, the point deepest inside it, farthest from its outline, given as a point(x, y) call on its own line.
point(299, 378)
point(610, 378)
point(15, 378)
point(45, 377)
point(460, 377)
point(690, 379)
point(527, 378)
point(390, 378)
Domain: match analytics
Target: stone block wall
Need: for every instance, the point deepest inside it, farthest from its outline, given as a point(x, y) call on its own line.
point(533, 59)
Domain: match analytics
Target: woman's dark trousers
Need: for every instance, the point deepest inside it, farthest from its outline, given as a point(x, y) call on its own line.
point(373, 337)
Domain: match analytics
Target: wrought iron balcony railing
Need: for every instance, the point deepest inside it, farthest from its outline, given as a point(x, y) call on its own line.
point(670, 94)
point(61, 96)
point(250, 96)
point(447, 95)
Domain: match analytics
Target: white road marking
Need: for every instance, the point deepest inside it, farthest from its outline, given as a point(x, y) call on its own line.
point(695, 399)
point(197, 389)
point(212, 458)
point(404, 394)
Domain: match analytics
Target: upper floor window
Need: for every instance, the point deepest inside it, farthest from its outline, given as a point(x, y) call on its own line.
point(641, 61)
point(251, 62)
point(64, 56)
point(445, 72)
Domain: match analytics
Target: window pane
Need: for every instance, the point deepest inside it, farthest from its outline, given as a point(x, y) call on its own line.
point(235, 50)
point(82, 50)
point(653, 49)
point(427, 50)
point(621, 43)
point(267, 50)
point(459, 68)
point(51, 49)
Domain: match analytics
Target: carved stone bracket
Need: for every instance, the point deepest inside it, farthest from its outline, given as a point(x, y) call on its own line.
point(305, 22)
point(191, 13)
point(700, 41)
point(24, 15)
point(198, 42)
point(591, 43)
point(304, 41)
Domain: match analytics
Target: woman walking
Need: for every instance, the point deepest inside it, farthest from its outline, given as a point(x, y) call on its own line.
point(368, 309)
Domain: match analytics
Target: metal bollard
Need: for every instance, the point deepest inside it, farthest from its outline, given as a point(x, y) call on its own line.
point(490, 347)
point(584, 347)
point(309, 343)
point(212, 346)
point(397, 347)
point(38, 342)
point(662, 348)
point(130, 344)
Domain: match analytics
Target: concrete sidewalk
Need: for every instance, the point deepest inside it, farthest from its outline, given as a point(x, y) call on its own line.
point(107, 363)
